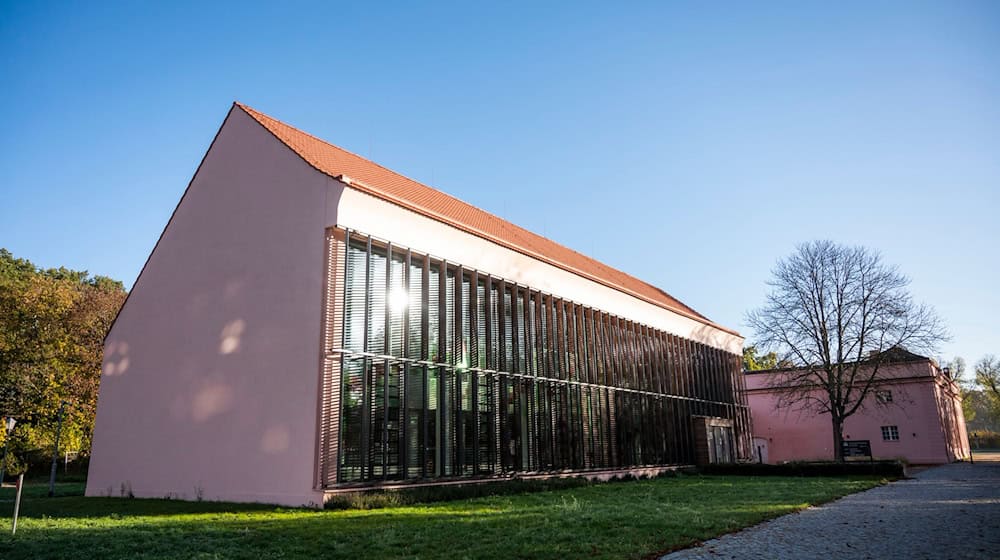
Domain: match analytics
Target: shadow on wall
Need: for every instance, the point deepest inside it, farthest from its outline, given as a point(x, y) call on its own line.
point(116, 360)
point(211, 396)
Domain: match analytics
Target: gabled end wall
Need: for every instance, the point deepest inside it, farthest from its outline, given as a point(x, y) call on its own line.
point(209, 387)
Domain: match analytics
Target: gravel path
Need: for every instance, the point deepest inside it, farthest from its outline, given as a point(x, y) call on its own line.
point(952, 511)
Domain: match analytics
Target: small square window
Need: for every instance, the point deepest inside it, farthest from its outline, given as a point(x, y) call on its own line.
point(883, 397)
point(890, 433)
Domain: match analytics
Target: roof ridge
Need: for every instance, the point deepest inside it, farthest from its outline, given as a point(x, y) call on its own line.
point(601, 275)
point(255, 112)
point(249, 109)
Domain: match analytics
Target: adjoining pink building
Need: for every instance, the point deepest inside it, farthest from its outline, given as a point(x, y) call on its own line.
point(914, 413)
point(311, 322)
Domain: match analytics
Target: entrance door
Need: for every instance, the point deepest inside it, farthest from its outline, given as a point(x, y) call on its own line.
point(720, 444)
point(760, 449)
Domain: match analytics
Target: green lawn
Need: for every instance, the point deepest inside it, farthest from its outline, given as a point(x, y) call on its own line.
point(614, 520)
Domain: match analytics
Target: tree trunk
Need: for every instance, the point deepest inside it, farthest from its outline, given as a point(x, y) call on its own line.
point(838, 440)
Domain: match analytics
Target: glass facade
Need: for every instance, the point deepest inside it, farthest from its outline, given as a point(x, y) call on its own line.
point(451, 372)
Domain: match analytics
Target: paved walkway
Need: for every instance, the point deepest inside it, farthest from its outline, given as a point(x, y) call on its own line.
point(952, 511)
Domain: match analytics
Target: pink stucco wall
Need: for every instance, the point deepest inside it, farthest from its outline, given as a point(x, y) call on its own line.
point(926, 408)
point(210, 381)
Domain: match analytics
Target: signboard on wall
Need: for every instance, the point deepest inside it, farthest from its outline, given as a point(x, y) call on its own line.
point(856, 448)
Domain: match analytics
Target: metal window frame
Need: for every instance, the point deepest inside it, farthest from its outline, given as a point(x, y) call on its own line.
point(562, 395)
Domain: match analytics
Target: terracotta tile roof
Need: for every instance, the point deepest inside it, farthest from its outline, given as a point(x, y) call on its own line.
point(373, 179)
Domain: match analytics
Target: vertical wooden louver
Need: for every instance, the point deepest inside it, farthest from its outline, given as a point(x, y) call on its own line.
point(333, 321)
point(435, 370)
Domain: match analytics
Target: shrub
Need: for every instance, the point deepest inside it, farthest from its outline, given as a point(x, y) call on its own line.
point(374, 498)
point(380, 498)
point(984, 439)
point(892, 469)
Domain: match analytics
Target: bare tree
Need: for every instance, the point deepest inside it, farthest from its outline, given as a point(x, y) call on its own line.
point(834, 312)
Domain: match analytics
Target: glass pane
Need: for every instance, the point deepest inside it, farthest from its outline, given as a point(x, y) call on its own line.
point(481, 323)
point(377, 302)
point(416, 309)
point(351, 419)
point(433, 314)
point(414, 420)
point(399, 300)
point(354, 298)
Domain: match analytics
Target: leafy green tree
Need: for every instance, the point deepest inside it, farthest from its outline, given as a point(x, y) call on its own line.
point(752, 361)
point(52, 327)
point(988, 377)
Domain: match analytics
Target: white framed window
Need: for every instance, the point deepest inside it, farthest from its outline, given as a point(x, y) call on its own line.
point(890, 433)
point(883, 396)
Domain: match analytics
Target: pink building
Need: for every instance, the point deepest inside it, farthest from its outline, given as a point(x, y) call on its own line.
point(310, 322)
point(914, 413)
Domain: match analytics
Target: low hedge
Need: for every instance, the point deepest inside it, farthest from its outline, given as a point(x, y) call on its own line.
point(374, 498)
point(984, 439)
point(37, 463)
point(891, 469)
point(380, 498)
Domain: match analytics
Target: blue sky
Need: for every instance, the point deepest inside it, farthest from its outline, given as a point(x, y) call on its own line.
point(691, 145)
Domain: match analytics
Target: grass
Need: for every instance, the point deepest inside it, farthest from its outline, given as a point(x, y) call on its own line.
point(633, 519)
